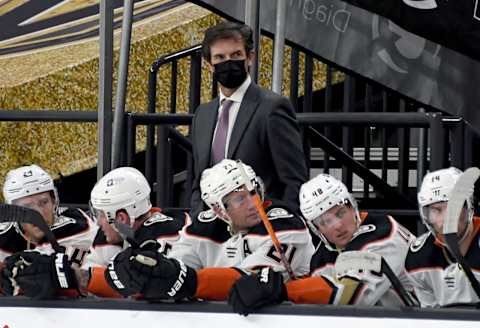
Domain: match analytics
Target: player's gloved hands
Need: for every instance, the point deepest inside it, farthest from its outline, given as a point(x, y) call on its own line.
point(37, 275)
point(152, 274)
point(252, 292)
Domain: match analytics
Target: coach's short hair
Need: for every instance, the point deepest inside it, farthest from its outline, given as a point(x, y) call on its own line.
point(226, 30)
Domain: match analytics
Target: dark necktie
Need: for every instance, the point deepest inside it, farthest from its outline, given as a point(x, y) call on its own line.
point(220, 139)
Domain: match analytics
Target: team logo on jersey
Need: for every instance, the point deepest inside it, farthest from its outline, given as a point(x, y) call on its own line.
point(278, 213)
point(207, 216)
point(62, 221)
point(4, 227)
point(157, 217)
point(421, 4)
point(365, 228)
point(419, 242)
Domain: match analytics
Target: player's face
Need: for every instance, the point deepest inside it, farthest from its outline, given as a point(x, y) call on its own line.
point(43, 203)
point(338, 225)
point(241, 209)
point(436, 216)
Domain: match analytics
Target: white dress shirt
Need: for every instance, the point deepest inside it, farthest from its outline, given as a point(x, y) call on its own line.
point(237, 98)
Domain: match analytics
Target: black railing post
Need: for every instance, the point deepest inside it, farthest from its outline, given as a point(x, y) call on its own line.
point(131, 140)
point(436, 142)
point(152, 104)
point(294, 68)
point(195, 81)
point(457, 142)
point(164, 184)
point(347, 135)
point(403, 153)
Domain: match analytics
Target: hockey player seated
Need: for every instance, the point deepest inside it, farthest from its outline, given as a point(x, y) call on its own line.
point(32, 187)
point(437, 278)
point(332, 214)
point(217, 249)
point(121, 195)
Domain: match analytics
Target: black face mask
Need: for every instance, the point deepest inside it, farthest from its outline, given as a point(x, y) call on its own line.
point(230, 73)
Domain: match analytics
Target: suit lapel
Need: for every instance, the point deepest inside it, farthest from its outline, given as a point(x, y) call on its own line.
point(207, 124)
point(245, 113)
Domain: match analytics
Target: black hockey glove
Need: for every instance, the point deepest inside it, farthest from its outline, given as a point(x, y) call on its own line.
point(37, 275)
point(252, 292)
point(151, 274)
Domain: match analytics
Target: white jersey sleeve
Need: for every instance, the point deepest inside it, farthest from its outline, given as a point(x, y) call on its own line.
point(437, 278)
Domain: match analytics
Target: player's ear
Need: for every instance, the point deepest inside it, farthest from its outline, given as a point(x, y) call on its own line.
point(219, 212)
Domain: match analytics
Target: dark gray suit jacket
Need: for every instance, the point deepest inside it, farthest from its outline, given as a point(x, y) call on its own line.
point(266, 136)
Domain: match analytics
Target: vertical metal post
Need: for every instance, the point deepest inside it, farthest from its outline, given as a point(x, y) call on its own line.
point(328, 108)
point(384, 139)
point(469, 147)
point(279, 45)
point(152, 104)
point(104, 126)
point(131, 141)
point(122, 82)
point(422, 153)
point(308, 85)
point(195, 80)
point(403, 154)
point(437, 147)
point(252, 19)
point(164, 185)
point(367, 138)
point(173, 88)
point(457, 144)
point(294, 68)
point(347, 136)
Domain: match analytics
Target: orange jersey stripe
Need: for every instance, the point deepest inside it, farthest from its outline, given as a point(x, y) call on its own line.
point(214, 284)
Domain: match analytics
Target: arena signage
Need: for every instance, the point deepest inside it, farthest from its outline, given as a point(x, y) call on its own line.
point(379, 49)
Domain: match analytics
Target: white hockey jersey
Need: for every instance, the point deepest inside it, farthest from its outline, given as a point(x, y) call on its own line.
point(161, 226)
point(208, 243)
point(73, 228)
point(377, 234)
point(436, 276)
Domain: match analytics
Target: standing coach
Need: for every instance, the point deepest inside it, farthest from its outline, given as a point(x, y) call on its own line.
point(245, 121)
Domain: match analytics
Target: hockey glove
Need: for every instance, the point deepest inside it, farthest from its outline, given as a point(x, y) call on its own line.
point(250, 293)
point(37, 275)
point(151, 274)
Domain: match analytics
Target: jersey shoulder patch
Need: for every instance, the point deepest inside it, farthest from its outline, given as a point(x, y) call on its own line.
point(322, 257)
point(374, 227)
point(282, 220)
point(71, 222)
point(159, 225)
point(157, 218)
point(424, 254)
point(278, 213)
point(207, 216)
point(419, 242)
point(4, 227)
point(11, 240)
point(216, 230)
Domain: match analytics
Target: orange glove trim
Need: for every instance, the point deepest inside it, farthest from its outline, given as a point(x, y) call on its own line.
point(99, 286)
point(311, 290)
